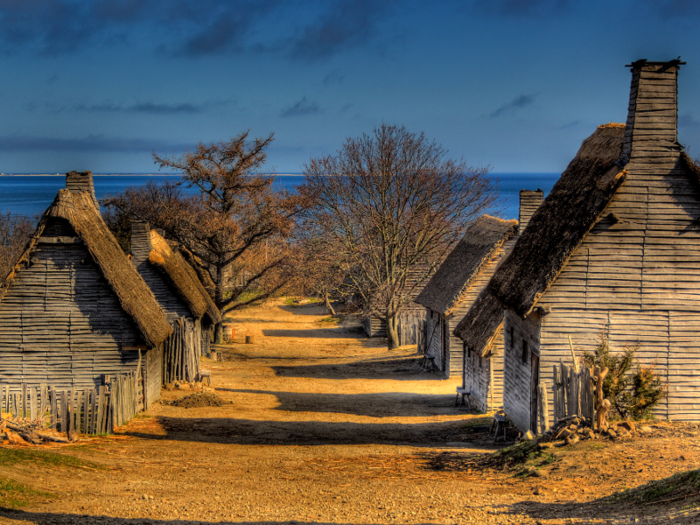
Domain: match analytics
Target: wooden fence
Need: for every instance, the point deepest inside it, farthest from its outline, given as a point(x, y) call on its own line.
point(573, 393)
point(181, 352)
point(86, 411)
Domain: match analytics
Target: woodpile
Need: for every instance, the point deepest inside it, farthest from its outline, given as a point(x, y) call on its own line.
point(26, 432)
point(571, 430)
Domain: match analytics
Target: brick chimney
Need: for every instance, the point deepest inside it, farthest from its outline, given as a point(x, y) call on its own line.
point(652, 117)
point(530, 200)
point(81, 181)
point(140, 241)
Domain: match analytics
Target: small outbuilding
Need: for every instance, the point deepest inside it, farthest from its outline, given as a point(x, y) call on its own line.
point(187, 305)
point(73, 308)
point(613, 250)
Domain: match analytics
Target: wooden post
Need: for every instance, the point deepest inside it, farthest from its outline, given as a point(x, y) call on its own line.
point(44, 392)
point(54, 407)
point(543, 408)
point(23, 405)
point(599, 379)
point(86, 411)
point(32, 404)
point(93, 411)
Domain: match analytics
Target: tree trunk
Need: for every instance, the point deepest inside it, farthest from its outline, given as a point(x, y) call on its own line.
point(392, 334)
point(328, 304)
point(219, 300)
point(219, 333)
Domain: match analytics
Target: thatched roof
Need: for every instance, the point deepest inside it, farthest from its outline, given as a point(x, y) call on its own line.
point(480, 326)
point(559, 225)
point(134, 295)
point(462, 265)
point(183, 278)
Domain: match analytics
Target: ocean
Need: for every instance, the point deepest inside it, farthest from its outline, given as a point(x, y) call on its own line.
point(30, 195)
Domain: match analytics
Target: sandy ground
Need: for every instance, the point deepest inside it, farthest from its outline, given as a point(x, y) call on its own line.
point(326, 426)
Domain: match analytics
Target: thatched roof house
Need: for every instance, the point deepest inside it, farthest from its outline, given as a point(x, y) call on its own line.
point(186, 303)
point(73, 308)
point(613, 250)
point(452, 290)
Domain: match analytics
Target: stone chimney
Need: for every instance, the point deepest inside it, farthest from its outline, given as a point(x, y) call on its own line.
point(81, 181)
point(530, 200)
point(652, 117)
point(140, 242)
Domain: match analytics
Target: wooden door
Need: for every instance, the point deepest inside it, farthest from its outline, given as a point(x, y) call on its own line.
point(443, 353)
point(534, 390)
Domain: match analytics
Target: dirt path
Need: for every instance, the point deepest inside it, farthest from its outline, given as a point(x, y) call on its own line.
point(325, 426)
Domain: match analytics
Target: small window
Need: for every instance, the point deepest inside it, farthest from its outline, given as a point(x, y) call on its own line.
point(525, 352)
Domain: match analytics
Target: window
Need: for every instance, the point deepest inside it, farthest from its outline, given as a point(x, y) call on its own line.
point(525, 352)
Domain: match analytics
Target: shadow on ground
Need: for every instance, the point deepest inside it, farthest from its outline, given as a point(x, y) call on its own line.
point(45, 518)
point(399, 369)
point(223, 430)
point(381, 405)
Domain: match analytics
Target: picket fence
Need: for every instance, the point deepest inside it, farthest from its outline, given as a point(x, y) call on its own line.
point(86, 411)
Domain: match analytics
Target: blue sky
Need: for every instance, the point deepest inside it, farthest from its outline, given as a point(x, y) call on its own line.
point(514, 84)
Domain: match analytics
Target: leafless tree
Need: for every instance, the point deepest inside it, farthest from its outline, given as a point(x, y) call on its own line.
point(235, 227)
point(388, 206)
point(15, 231)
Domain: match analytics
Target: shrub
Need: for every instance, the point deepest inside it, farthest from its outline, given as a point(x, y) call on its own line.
point(633, 389)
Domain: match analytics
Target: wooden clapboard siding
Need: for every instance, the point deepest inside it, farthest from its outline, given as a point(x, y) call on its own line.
point(483, 377)
point(152, 374)
point(433, 337)
point(517, 373)
point(60, 321)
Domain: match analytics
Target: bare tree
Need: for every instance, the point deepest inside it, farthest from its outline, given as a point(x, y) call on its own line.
point(389, 206)
point(15, 232)
point(235, 228)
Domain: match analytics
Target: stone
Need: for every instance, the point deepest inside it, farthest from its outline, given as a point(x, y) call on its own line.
point(529, 436)
point(539, 491)
point(627, 425)
point(645, 430)
point(612, 433)
point(572, 440)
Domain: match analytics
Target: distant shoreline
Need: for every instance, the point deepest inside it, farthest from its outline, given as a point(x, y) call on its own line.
point(129, 174)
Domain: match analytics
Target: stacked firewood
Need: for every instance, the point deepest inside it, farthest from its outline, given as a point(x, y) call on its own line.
point(571, 430)
point(26, 432)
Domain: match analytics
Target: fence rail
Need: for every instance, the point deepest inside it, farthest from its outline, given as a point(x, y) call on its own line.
point(84, 411)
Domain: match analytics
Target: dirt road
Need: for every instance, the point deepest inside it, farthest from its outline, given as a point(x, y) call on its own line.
point(322, 425)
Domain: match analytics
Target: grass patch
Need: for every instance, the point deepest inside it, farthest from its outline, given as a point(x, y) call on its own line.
point(330, 320)
point(15, 495)
point(678, 487)
point(289, 301)
point(521, 458)
point(12, 456)
point(480, 422)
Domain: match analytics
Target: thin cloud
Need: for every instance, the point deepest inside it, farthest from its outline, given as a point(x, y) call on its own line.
point(348, 23)
point(334, 77)
point(150, 108)
point(523, 8)
point(301, 108)
point(687, 121)
point(518, 103)
point(99, 143)
point(675, 8)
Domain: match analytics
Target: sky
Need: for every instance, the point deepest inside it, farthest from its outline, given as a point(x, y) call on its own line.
point(515, 85)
